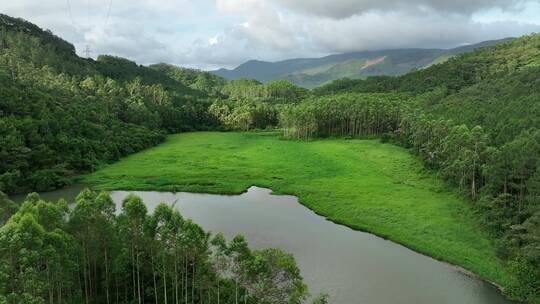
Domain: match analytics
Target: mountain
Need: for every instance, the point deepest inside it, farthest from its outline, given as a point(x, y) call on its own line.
point(312, 72)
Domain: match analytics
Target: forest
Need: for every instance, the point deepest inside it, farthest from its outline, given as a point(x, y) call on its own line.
point(474, 120)
point(92, 253)
point(62, 115)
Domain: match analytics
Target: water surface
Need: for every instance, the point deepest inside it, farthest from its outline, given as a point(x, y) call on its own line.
point(352, 266)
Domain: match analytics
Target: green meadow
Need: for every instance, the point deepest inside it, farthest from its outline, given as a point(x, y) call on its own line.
point(364, 184)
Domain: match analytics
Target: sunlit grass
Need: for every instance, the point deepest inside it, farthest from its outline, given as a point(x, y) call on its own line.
point(365, 184)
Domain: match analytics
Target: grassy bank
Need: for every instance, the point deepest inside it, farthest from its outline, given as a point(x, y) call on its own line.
point(364, 184)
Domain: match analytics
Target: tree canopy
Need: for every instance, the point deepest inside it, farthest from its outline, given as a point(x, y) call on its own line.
point(93, 253)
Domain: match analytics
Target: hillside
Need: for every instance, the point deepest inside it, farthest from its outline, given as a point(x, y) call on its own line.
point(62, 115)
point(490, 86)
point(473, 119)
point(311, 72)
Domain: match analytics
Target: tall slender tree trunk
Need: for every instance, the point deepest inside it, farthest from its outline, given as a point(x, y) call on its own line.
point(154, 276)
point(106, 276)
point(49, 282)
point(186, 282)
point(85, 274)
point(473, 186)
point(60, 291)
point(164, 279)
point(95, 280)
point(175, 276)
point(193, 283)
point(133, 270)
point(116, 285)
point(138, 278)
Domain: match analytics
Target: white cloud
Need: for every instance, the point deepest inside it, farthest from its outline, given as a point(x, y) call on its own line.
point(347, 8)
point(288, 28)
point(213, 40)
point(214, 33)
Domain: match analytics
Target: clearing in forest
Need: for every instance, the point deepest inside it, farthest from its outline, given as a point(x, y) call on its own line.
point(364, 184)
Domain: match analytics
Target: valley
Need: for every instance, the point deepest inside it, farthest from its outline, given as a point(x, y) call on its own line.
point(406, 175)
point(366, 185)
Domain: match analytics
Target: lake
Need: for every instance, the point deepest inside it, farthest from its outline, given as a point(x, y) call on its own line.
point(351, 266)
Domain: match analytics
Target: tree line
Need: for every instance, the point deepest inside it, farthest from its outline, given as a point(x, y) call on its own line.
point(92, 253)
point(342, 115)
point(501, 178)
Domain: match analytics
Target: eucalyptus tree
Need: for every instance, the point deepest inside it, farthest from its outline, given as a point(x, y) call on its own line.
point(88, 254)
point(132, 221)
point(37, 259)
point(465, 152)
point(105, 221)
point(343, 115)
point(81, 224)
point(270, 276)
point(221, 261)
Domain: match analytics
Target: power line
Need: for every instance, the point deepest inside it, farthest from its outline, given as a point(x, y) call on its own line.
point(87, 51)
point(108, 13)
point(70, 14)
point(88, 14)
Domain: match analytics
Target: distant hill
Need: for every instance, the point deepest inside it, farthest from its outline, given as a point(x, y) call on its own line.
point(495, 87)
point(312, 72)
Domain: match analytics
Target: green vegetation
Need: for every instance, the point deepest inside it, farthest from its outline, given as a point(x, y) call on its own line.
point(483, 65)
point(89, 254)
point(361, 183)
point(473, 120)
point(61, 115)
point(374, 114)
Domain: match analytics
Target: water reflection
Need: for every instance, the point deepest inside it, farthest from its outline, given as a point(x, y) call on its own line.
point(352, 266)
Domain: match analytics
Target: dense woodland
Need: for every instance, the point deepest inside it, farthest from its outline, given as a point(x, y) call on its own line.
point(93, 254)
point(62, 115)
point(475, 120)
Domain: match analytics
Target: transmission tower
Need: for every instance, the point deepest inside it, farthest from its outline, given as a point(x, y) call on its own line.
point(87, 51)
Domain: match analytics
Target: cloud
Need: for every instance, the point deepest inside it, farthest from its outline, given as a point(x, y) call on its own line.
point(372, 31)
point(224, 33)
point(137, 29)
point(273, 33)
point(347, 8)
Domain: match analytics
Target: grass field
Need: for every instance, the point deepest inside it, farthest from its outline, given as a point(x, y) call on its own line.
point(365, 184)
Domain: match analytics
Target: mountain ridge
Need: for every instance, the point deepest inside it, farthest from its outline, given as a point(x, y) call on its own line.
point(312, 72)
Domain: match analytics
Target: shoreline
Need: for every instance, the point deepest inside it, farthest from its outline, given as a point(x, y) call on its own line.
point(456, 267)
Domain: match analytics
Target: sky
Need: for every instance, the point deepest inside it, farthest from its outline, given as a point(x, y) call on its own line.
point(209, 34)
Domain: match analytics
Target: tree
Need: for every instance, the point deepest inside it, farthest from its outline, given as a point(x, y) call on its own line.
point(7, 208)
point(134, 217)
point(51, 253)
